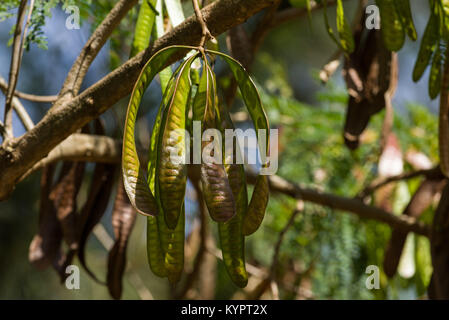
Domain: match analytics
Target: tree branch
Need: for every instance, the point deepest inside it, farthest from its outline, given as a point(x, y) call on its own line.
point(280, 185)
point(75, 77)
point(68, 117)
point(14, 69)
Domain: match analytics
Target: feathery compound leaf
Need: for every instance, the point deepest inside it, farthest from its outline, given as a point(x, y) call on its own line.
point(391, 26)
point(405, 13)
point(435, 74)
point(230, 233)
point(171, 164)
point(428, 45)
point(144, 26)
point(344, 30)
point(134, 178)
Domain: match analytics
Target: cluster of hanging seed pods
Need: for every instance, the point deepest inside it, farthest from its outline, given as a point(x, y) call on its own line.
point(190, 94)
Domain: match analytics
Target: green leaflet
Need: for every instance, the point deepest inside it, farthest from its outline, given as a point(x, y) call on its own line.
point(230, 233)
point(428, 45)
point(391, 26)
point(144, 26)
point(435, 74)
point(405, 13)
point(344, 30)
point(171, 172)
point(134, 179)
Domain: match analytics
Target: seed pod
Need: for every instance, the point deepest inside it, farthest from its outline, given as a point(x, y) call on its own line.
point(344, 30)
point(171, 164)
point(97, 201)
point(257, 206)
point(66, 204)
point(420, 202)
point(250, 95)
point(123, 218)
point(134, 178)
point(391, 26)
point(435, 74)
point(405, 13)
point(144, 26)
point(428, 45)
point(155, 253)
point(172, 244)
point(45, 248)
point(217, 192)
point(230, 233)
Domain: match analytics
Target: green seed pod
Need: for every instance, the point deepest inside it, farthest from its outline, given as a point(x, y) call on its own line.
point(435, 74)
point(405, 13)
point(391, 26)
point(154, 250)
point(428, 45)
point(230, 233)
point(257, 206)
point(144, 26)
point(217, 192)
point(171, 165)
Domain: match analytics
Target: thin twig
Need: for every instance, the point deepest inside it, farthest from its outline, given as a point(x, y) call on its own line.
point(14, 69)
point(205, 31)
point(404, 176)
point(26, 96)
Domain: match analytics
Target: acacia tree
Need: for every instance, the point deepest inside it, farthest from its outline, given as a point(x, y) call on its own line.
point(71, 133)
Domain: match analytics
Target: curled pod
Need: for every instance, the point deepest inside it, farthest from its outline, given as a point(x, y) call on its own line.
point(230, 233)
point(435, 74)
point(428, 45)
point(171, 164)
point(257, 206)
point(391, 26)
point(405, 13)
point(134, 178)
